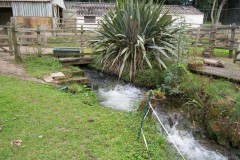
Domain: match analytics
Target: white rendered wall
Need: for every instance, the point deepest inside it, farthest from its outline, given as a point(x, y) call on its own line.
point(191, 20)
point(90, 26)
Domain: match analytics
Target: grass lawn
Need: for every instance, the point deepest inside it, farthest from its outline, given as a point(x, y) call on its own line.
point(53, 124)
point(217, 52)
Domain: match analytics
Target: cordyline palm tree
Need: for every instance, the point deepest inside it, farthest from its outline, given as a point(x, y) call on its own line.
point(133, 35)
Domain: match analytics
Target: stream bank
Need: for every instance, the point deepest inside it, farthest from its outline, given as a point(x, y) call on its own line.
point(121, 96)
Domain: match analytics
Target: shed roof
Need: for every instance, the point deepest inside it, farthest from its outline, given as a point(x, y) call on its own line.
point(25, 0)
point(98, 9)
point(179, 9)
point(87, 9)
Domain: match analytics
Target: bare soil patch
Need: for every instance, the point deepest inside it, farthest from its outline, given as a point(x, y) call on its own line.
point(10, 68)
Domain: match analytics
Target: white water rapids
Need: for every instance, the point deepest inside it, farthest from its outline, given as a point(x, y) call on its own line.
point(124, 97)
point(120, 96)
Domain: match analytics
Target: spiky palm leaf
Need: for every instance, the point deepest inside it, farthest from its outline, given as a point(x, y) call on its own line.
point(133, 35)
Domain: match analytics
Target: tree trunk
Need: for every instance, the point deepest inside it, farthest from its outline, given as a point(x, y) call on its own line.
point(195, 3)
point(219, 11)
point(212, 11)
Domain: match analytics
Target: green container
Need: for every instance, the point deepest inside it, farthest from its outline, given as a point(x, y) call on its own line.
point(66, 52)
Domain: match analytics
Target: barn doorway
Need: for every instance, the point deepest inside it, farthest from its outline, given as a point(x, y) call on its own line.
point(5, 15)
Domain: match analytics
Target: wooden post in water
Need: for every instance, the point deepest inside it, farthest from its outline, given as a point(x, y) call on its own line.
point(15, 40)
point(39, 52)
point(232, 41)
point(10, 42)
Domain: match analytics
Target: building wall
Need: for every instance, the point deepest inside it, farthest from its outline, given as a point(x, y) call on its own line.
point(32, 9)
point(33, 22)
point(191, 20)
point(89, 26)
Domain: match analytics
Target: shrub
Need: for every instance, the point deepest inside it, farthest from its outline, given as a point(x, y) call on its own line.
point(133, 35)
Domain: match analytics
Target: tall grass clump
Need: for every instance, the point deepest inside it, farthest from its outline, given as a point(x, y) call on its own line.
point(134, 35)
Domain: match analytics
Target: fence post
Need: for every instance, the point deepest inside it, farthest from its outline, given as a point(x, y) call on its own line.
point(213, 35)
point(144, 113)
point(197, 40)
point(82, 51)
point(75, 20)
point(39, 41)
point(232, 41)
point(15, 40)
point(10, 39)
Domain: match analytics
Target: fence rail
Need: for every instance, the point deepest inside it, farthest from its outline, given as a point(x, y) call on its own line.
point(72, 33)
point(13, 37)
point(211, 37)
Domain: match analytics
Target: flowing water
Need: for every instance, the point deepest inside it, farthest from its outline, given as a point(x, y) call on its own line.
point(120, 96)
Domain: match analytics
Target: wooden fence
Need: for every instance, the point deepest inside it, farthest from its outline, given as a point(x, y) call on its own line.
point(72, 34)
point(77, 23)
point(215, 37)
point(6, 43)
point(14, 37)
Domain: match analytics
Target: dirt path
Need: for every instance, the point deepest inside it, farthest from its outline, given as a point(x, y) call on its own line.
point(8, 67)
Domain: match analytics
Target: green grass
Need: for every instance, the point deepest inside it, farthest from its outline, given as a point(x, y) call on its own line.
point(217, 52)
point(41, 66)
point(29, 111)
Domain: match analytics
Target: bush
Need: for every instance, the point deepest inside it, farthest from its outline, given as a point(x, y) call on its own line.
point(133, 36)
point(148, 78)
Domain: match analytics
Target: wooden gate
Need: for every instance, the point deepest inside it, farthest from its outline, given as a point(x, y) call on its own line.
point(6, 44)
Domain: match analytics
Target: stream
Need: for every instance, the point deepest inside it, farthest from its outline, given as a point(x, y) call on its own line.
point(118, 95)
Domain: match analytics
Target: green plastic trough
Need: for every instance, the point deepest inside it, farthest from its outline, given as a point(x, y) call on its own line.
point(66, 52)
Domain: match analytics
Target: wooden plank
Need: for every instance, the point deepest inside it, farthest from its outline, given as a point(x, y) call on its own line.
point(232, 75)
point(76, 61)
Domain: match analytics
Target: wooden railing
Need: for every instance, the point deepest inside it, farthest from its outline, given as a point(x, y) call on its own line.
point(222, 37)
point(39, 38)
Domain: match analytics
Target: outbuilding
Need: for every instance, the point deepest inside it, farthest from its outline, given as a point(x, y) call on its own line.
point(89, 13)
point(185, 14)
point(30, 13)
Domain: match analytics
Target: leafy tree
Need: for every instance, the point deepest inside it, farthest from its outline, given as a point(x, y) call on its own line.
point(134, 35)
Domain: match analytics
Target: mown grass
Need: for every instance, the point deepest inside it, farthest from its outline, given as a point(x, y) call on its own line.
point(41, 66)
point(57, 125)
point(217, 52)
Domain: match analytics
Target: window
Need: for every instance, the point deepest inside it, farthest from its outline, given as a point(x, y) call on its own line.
point(89, 19)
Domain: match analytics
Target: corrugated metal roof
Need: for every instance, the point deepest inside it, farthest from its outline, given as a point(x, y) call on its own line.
point(25, 0)
point(98, 9)
point(5, 4)
point(28, 9)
